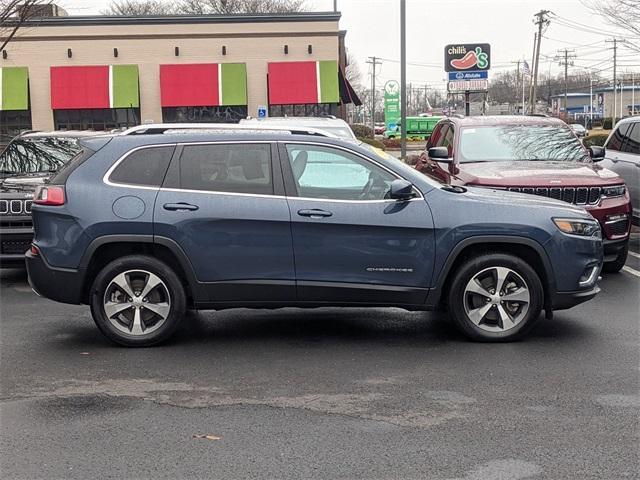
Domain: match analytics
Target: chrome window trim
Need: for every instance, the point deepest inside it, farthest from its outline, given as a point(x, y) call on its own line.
point(107, 181)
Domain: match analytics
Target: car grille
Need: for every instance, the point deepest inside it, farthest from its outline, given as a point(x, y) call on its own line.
point(14, 246)
point(15, 207)
point(575, 195)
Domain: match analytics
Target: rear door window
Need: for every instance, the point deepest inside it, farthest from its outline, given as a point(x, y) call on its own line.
point(145, 167)
point(233, 168)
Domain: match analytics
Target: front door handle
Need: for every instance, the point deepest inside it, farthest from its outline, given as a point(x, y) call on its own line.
point(314, 213)
point(180, 207)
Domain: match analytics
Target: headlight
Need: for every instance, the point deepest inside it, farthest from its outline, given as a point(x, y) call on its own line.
point(615, 191)
point(576, 226)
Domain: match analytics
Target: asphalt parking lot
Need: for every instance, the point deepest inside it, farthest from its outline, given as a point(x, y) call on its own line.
point(329, 393)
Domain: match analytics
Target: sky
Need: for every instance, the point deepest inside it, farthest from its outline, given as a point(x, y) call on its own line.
point(373, 29)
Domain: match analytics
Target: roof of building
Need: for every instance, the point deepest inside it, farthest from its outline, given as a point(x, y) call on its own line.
point(83, 20)
point(572, 95)
point(490, 120)
point(624, 87)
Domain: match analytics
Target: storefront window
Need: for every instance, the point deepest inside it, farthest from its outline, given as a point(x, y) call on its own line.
point(303, 110)
point(96, 118)
point(220, 114)
point(12, 122)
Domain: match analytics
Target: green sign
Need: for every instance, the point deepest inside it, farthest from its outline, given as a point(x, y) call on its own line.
point(391, 104)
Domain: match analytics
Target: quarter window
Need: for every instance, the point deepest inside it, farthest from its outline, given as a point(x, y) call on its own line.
point(237, 168)
point(324, 172)
point(143, 167)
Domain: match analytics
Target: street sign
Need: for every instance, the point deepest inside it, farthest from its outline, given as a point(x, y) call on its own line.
point(262, 111)
point(467, 57)
point(391, 103)
point(459, 86)
point(468, 75)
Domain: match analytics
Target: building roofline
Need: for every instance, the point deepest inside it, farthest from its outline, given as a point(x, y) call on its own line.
point(96, 20)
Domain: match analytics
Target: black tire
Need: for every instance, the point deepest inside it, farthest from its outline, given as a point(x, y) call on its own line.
point(485, 263)
point(171, 288)
point(618, 263)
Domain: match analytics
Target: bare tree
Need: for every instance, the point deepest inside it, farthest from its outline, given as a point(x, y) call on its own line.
point(13, 15)
point(203, 7)
point(145, 7)
point(624, 14)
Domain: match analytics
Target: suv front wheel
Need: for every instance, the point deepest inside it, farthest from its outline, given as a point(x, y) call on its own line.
point(137, 301)
point(495, 297)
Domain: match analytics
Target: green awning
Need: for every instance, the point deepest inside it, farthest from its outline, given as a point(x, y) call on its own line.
point(14, 88)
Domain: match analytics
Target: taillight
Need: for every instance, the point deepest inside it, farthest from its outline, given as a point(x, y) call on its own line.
point(49, 195)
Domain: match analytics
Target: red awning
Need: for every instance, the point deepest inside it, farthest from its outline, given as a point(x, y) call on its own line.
point(189, 85)
point(293, 83)
point(80, 87)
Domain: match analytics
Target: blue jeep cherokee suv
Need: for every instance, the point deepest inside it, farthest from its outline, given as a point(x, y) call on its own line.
point(143, 227)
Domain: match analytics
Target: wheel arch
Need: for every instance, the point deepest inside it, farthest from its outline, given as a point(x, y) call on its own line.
point(524, 248)
point(105, 249)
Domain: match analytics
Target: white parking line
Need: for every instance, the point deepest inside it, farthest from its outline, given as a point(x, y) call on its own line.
point(631, 271)
point(634, 254)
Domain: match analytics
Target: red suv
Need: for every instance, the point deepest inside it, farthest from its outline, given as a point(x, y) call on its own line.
point(535, 155)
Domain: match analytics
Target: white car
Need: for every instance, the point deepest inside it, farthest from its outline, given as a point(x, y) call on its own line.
point(332, 125)
point(578, 129)
point(622, 155)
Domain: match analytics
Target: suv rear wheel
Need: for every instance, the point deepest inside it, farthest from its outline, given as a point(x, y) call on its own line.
point(137, 301)
point(495, 297)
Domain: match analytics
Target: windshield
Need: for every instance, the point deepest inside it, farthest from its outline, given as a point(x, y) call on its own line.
point(41, 154)
point(520, 142)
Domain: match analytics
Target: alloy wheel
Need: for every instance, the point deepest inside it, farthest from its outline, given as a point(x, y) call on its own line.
point(496, 299)
point(137, 302)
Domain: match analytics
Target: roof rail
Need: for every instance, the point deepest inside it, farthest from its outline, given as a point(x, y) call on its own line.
point(160, 128)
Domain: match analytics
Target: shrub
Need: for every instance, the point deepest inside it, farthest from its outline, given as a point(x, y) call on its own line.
point(607, 123)
point(391, 142)
point(362, 131)
point(595, 139)
point(373, 142)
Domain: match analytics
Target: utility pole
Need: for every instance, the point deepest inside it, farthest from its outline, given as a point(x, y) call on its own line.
point(519, 79)
point(335, 5)
point(374, 62)
point(403, 79)
point(533, 60)
point(615, 42)
point(564, 61)
point(542, 21)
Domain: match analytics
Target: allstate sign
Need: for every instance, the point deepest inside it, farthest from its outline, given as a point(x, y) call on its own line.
point(475, 75)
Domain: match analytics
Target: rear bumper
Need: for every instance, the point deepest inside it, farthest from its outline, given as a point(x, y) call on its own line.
point(565, 300)
point(59, 284)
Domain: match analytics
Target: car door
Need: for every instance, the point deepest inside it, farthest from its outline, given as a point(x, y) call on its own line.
point(224, 205)
point(351, 243)
point(623, 157)
point(443, 137)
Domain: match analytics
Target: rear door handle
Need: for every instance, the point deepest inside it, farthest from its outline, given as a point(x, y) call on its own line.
point(180, 207)
point(314, 213)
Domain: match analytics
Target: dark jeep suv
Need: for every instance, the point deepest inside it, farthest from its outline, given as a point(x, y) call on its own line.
point(26, 162)
point(142, 227)
point(533, 155)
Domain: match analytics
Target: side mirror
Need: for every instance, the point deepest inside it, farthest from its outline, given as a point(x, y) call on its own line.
point(596, 153)
point(440, 154)
point(401, 190)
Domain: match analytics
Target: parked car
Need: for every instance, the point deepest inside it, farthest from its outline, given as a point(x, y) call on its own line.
point(141, 227)
point(534, 155)
point(420, 127)
point(26, 162)
point(578, 129)
point(379, 128)
point(333, 125)
point(623, 157)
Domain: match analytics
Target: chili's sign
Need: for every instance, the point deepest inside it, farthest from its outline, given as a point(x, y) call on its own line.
point(462, 57)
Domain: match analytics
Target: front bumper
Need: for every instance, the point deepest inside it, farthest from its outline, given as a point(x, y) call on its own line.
point(613, 248)
point(13, 244)
point(60, 284)
point(565, 300)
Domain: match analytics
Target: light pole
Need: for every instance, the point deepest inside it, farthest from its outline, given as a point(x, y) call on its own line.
point(403, 79)
point(591, 98)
